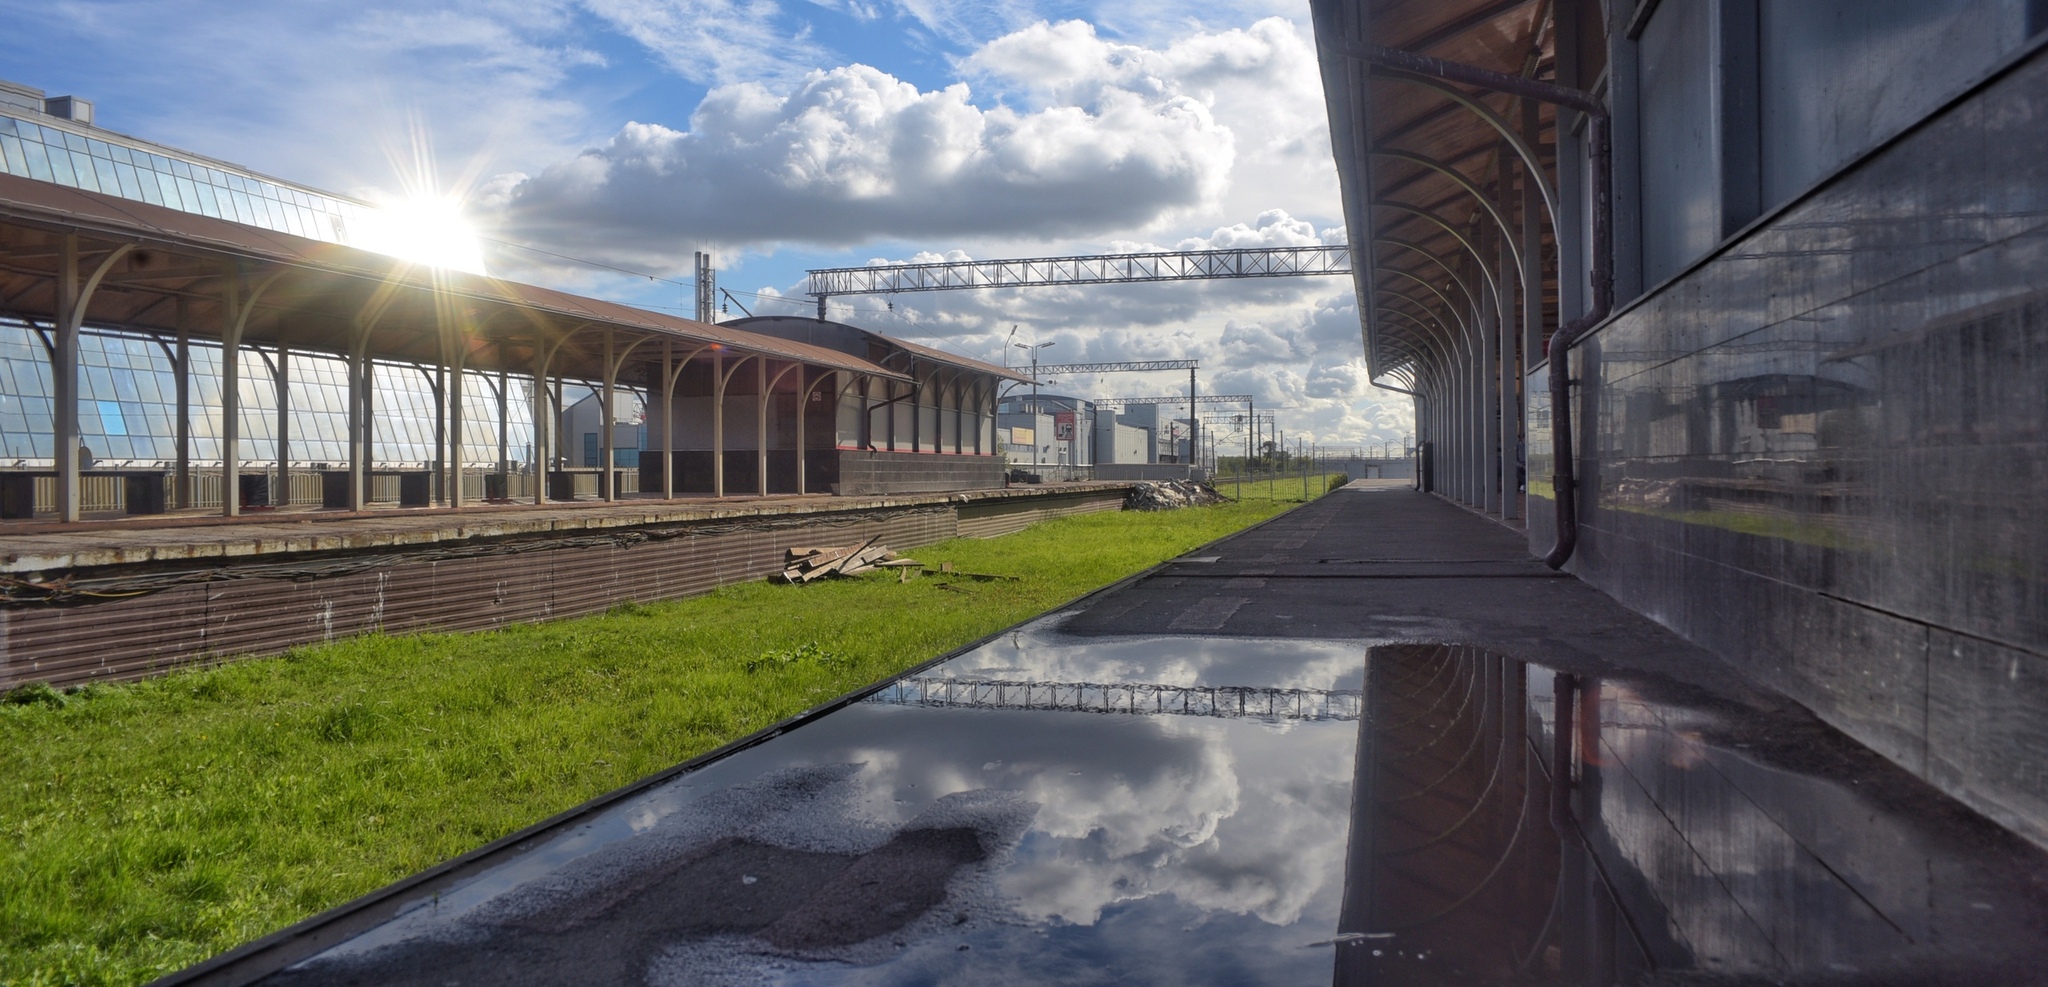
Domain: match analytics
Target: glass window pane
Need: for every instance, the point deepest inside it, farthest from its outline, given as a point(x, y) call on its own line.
point(17, 164)
point(121, 154)
point(60, 163)
point(6, 125)
point(209, 203)
point(74, 142)
point(38, 162)
point(109, 182)
point(168, 187)
point(130, 187)
point(146, 180)
point(189, 195)
point(87, 178)
point(111, 420)
point(160, 163)
point(181, 169)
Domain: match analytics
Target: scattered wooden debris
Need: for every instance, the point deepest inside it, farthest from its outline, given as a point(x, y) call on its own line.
point(801, 565)
point(806, 563)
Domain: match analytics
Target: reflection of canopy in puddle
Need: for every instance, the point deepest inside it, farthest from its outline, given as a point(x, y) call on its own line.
point(1451, 844)
point(1125, 698)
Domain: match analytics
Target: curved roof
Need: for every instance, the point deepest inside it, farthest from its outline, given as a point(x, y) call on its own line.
point(1428, 181)
point(317, 292)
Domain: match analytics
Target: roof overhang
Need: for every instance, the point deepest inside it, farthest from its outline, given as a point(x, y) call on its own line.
point(1433, 180)
point(179, 268)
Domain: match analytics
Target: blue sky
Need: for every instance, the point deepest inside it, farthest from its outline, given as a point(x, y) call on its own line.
point(784, 136)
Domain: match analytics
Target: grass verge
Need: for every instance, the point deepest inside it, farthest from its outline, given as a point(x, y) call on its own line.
point(148, 826)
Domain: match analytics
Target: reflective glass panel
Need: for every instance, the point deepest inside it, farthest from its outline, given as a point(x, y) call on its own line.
point(37, 162)
point(130, 186)
point(60, 163)
point(168, 187)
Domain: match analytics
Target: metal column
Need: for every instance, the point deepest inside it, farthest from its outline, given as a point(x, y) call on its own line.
point(181, 476)
point(605, 480)
point(64, 380)
point(231, 398)
point(281, 494)
point(761, 426)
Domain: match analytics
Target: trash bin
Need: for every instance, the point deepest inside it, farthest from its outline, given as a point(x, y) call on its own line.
point(561, 485)
point(254, 488)
point(415, 489)
point(494, 486)
point(144, 493)
point(334, 489)
point(17, 495)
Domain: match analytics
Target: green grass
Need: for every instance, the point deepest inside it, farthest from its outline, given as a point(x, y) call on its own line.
point(144, 827)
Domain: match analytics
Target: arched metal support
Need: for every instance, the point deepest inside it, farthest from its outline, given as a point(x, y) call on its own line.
point(1493, 211)
point(237, 311)
point(608, 475)
point(803, 398)
point(671, 371)
point(721, 379)
point(362, 399)
point(761, 420)
point(1426, 254)
point(1493, 119)
point(544, 447)
point(1478, 258)
point(1449, 305)
point(72, 301)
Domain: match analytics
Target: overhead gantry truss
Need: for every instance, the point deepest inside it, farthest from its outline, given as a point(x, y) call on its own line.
point(1026, 272)
point(1244, 399)
point(1128, 366)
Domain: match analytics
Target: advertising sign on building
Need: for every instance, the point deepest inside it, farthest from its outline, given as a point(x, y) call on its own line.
point(1063, 426)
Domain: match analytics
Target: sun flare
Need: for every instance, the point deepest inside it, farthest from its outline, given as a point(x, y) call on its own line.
point(425, 229)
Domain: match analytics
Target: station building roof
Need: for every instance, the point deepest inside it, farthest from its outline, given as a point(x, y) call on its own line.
point(1412, 151)
point(315, 294)
point(863, 342)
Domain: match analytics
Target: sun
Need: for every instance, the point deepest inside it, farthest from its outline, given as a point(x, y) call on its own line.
point(426, 229)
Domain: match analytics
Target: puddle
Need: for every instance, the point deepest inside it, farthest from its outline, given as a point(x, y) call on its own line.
point(1185, 810)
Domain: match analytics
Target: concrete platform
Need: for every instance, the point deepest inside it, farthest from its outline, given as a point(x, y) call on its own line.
point(1367, 742)
point(47, 546)
point(93, 602)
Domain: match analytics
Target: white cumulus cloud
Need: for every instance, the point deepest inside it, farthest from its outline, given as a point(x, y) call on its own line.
point(852, 154)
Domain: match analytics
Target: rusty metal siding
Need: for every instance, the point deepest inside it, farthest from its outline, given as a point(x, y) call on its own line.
point(133, 637)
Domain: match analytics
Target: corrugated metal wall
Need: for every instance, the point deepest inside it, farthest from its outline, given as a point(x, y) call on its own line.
point(129, 638)
point(989, 518)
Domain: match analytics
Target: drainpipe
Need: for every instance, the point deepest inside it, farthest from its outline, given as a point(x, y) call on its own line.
point(1563, 477)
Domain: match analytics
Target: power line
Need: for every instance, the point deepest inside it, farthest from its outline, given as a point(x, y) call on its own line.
point(587, 262)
